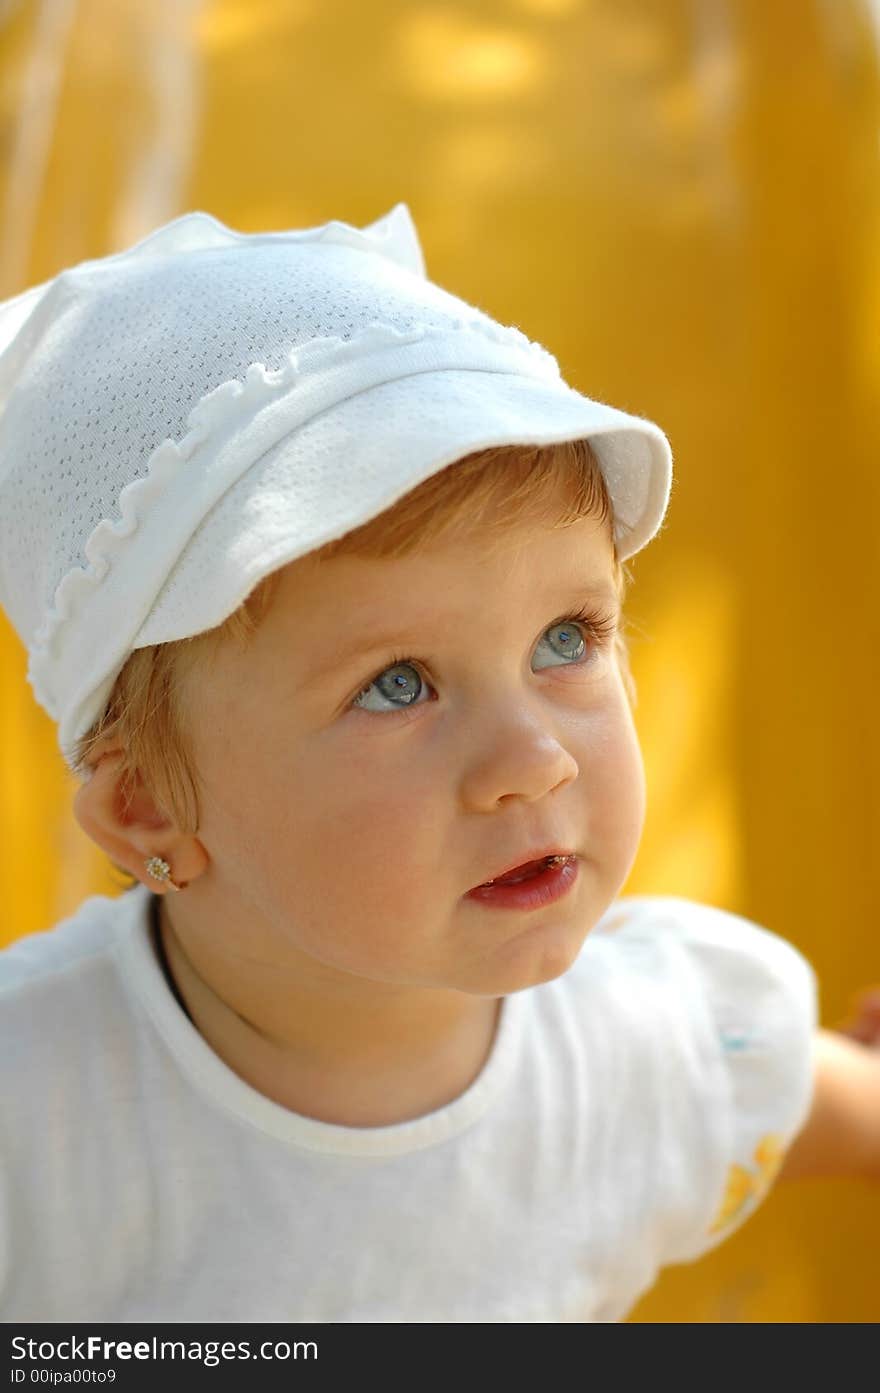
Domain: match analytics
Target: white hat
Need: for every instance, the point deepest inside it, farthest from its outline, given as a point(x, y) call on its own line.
point(183, 417)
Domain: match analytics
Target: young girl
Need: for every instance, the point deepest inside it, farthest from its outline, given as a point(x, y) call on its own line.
point(320, 571)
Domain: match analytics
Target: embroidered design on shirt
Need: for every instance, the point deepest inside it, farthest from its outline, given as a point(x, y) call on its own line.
point(746, 1187)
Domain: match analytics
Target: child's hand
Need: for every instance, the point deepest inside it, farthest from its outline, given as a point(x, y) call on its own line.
point(864, 1023)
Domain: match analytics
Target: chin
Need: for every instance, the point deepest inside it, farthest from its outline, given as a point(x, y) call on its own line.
point(533, 963)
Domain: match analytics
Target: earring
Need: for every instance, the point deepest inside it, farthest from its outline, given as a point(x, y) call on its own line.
point(160, 870)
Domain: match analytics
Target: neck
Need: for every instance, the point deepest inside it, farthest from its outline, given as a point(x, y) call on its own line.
point(373, 1062)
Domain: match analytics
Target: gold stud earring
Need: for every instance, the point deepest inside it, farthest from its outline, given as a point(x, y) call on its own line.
point(160, 870)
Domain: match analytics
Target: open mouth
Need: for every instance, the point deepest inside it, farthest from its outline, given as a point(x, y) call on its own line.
point(526, 871)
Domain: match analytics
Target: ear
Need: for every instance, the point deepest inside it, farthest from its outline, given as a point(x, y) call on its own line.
point(122, 817)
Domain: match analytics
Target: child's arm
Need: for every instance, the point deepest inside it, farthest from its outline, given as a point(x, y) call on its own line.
point(841, 1136)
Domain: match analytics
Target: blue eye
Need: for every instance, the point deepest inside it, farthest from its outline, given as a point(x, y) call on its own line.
point(400, 683)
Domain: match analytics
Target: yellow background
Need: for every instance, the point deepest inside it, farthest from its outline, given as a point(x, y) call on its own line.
point(680, 199)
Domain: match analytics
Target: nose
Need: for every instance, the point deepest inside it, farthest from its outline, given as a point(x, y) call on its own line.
point(521, 759)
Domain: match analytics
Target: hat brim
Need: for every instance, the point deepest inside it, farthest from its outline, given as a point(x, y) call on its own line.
point(278, 510)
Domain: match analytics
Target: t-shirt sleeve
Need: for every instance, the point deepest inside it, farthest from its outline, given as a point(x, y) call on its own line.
point(733, 1010)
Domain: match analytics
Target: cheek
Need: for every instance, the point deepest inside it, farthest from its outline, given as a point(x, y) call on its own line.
point(613, 772)
point(362, 821)
point(362, 865)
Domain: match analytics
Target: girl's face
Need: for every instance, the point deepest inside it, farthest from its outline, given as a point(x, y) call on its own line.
point(400, 731)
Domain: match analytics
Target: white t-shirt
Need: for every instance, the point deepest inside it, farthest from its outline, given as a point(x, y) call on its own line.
point(631, 1114)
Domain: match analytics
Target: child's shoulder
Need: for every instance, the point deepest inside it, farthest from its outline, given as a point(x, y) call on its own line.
point(69, 1053)
point(649, 929)
point(692, 970)
point(707, 1019)
point(59, 987)
point(706, 977)
point(33, 961)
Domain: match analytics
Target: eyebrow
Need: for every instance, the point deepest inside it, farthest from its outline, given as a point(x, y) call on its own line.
point(597, 591)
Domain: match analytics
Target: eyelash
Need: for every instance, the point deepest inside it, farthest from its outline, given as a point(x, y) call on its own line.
point(600, 625)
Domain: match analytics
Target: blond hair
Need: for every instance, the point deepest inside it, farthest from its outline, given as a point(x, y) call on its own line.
point(145, 715)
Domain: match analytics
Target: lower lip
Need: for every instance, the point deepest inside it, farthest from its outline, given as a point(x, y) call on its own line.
point(545, 887)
